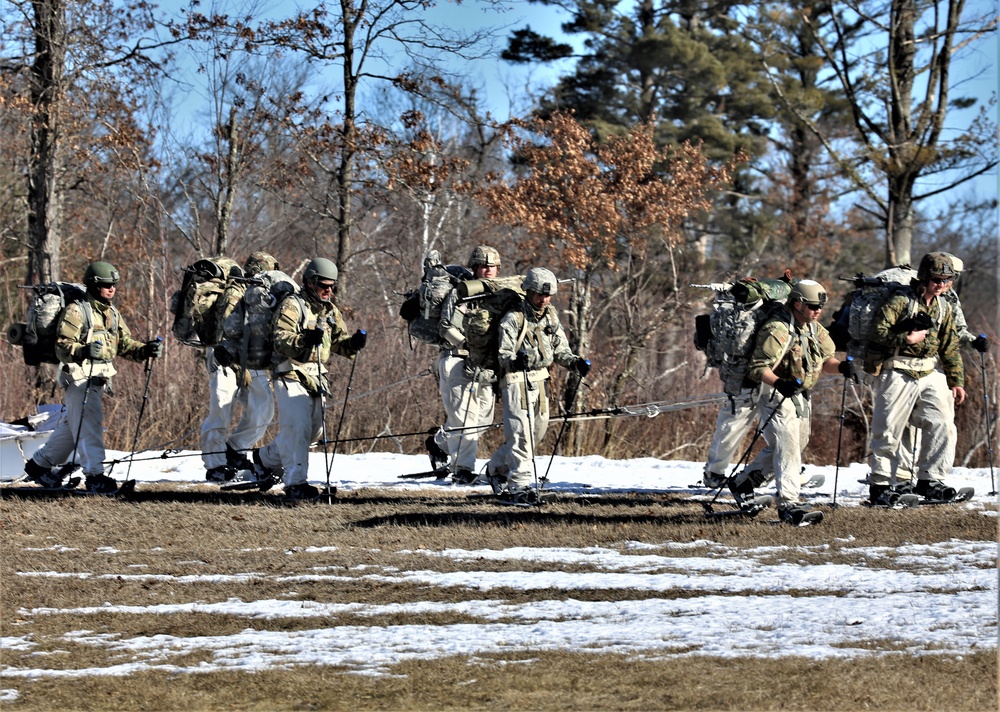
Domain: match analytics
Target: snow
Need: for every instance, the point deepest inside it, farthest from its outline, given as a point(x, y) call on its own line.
point(938, 599)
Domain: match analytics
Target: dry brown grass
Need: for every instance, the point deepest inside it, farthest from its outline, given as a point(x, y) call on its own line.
point(201, 531)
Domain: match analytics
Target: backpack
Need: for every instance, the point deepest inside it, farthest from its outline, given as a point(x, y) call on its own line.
point(487, 300)
point(37, 336)
point(422, 307)
point(852, 329)
point(728, 333)
point(247, 331)
point(208, 294)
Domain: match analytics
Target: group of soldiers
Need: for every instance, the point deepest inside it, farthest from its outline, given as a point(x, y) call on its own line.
point(304, 330)
point(913, 423)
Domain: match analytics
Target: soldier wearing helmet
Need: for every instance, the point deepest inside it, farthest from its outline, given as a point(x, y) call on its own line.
point(791, 350)
point(531, 340)
point(232, 381)
point(91, 334)
point(466, 391)
point(307, 328)
point(916, 328)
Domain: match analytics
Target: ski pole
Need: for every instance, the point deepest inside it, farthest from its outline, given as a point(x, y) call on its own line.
point(340, 424)
point(746, 453)
point(989, 426)
point(840, 436)
point(79, 425)
point(562, 428)
point(322, 408)
point(142, 409)
point(531, 427)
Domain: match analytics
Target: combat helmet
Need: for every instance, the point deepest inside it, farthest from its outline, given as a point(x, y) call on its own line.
point(102, 274)
point(540, 281)
point(320, 268)
point(259, 262)
point(808, 291)
point(938, 265)
point(484, 256)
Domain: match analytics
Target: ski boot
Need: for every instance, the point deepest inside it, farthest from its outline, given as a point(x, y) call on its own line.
point(100, 484)
point(799, 515)
point(935, 491)
point(45, 476)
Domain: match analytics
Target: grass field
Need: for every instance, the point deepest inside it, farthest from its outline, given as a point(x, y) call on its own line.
point(186, 598)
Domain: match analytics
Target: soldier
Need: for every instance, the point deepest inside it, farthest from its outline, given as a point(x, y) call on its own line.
point(306, 329)
point(531, 339)
point(466, 392)
point(229, 383)
point(90, 335)
point(792, 349)
point(917, 328)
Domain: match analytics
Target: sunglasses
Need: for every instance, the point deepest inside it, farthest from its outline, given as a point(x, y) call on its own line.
point(325, 285)
point(940, 280)
point(814, 307)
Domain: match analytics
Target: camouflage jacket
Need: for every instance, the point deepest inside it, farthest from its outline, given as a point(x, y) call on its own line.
point(296, 361)
point(104, 323)
point(942, 338)
point(791, 350)
point(540, 336)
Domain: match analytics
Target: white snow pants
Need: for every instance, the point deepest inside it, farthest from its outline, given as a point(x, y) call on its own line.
point(467, 404)
point(524, 425)
point(923, 403)
point(58, 449)
point(224, 392)
point(300, 417)
point(786, 434)
point(735, 418)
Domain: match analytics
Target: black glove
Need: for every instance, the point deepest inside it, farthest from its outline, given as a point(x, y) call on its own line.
point(223, 357)
point(520, 362)
point(153, 349)
point(787, 387)
point(981, 344)
point(358, 339)
point(582, 367)
point(92, 351)
point(312, 337)
point(846, 368)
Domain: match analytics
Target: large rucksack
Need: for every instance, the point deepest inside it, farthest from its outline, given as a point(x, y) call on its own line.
point(37, 336)
point(852, 330)
point(248, 331)
point(210, 291)
point(728, 333)
point(485, 302)
point(422, 307)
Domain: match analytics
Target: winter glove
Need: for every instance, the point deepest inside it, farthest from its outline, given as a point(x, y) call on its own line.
point(153, 349)
point(312, 337)
point(92, 351)
point(582, 367)
point(520, 362)
point(359, 339)
point(981, 344)
point(787, 387)
point(846, 368)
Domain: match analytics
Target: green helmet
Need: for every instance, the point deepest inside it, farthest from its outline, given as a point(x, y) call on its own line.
point(101, 273)
point(936, 264)
point(259, 262)
point(540, 281)
point(320, 268)
point(808, 291)
point(484, 256)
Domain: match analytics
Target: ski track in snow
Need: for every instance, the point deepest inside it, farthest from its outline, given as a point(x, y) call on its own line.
point(736, 603)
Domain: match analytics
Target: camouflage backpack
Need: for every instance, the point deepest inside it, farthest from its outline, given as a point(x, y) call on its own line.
point(210, 291)
point(247, 331)
point(422, 307)
point(727, 335)
point(486, 301)
point(37, 336)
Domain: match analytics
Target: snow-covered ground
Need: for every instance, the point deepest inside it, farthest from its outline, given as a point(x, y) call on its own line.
point(943, 601)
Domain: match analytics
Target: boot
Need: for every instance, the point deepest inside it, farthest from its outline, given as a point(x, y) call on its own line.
point(882, 495)
point(303, 490)
point(100, 484)
point(742, 492)
point(714, 480)
point(220, 475)
point(44, 476)
point(935, 491)
point(236, 459)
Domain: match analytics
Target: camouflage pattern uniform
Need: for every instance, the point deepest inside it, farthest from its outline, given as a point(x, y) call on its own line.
point(792, 351)
point(300, 381)
point(107, 327)
point(910, 390)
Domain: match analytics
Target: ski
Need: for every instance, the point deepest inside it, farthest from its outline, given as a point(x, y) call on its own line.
point(71, 488)
point(242, 483)
point(541, 498)
point(440, 474)
point(814, 482)
point(962, 495)
point(903, 501)
point(747, 511)
point(803, 518)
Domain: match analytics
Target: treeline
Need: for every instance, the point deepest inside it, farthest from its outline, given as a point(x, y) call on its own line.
point(636, 175)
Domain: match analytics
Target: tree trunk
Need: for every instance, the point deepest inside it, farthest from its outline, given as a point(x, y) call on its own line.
point(45, 213)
